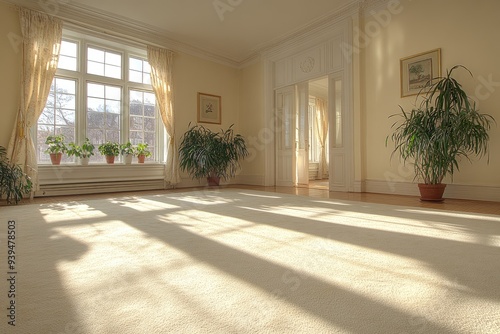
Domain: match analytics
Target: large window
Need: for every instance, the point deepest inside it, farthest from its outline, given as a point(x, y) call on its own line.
point(59, 115)
point(101, 91)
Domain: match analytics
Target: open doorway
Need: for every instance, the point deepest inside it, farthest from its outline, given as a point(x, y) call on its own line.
point(302, 142)
point(318, 134)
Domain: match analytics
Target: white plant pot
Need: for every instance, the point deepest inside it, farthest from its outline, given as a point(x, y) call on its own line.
point(128, 159)
point(84, 161)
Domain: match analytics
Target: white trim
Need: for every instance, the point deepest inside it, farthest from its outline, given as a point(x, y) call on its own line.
point(359, 186)
point(457, 191)
point(254, 180)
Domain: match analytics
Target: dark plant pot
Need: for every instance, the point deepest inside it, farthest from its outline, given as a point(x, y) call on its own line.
point(110, 159)
point(55, 158)
point(213, 180)
point(141, 158)
point(431, 192)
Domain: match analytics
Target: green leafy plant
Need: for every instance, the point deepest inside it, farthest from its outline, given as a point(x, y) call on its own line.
point(204, 153)
point(86, 150)
point(443, 129)
point(142, 149)
point(55, 144)
point(127, 148)
point(109, 149)
point(14, 183)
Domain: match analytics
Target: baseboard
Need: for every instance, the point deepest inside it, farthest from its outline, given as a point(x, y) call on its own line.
point(254, 180)
point(359, 186)
point(453, 190)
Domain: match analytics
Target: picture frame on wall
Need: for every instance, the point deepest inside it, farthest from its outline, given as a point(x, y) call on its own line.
point(209, 108)
point(418, 71)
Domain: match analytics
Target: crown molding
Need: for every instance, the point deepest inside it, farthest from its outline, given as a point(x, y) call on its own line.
point(89, 19)
point(310, 34)
point(140, 33)
point(374, 5)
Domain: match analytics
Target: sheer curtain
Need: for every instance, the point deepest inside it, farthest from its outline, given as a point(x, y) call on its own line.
point(322, 131)
point(41, 44)
point(161, 78)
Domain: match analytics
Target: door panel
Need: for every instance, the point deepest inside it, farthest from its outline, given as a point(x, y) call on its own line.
point(338, 161)
point(285, 105)
point(302, 130)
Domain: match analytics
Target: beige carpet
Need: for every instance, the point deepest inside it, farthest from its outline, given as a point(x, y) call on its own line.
point(240, 261)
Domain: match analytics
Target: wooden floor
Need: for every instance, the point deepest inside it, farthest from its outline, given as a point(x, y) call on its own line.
point(318, 190)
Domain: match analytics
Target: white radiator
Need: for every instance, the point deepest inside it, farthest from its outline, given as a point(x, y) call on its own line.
point(77, 180)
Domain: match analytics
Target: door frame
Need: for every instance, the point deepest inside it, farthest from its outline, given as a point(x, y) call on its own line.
point(282, 61)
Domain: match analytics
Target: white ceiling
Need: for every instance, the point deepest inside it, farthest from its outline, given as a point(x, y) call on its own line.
point(232, 29)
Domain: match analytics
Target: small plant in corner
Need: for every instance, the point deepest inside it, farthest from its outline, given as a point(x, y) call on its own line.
point(142, 151)
point(110, 150)
point(128, 152)
point(14, 183)
point(84, 152)
point(56, 148)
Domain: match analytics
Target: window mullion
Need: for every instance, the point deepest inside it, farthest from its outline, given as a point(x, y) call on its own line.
point(126, 114)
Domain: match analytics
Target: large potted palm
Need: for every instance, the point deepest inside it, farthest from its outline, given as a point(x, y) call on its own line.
point(212, 155)
point(439, 133)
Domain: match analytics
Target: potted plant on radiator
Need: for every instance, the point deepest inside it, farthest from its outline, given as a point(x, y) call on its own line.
point(56, 148)
point(142, 151)
point(110, 150)
point(212, 155)
point(128, 152)
point(83, 152)
point(435, 136)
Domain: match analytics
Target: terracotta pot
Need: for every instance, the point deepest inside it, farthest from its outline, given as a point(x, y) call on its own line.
point(110, 159)
point(213, 180)
point(431, 192)
point(141, 158)
point(55, 158)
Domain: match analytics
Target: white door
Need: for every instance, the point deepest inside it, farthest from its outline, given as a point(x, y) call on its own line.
point(339, 168)
point(285, 106)
point(302, 134)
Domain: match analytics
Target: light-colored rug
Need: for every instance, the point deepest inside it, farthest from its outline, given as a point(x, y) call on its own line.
point(240, 261)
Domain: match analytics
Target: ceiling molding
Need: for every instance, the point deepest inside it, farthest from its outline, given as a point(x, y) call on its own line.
point(140, 33)
point(316, 25)
point(374, 5)
point(123, 28)
point(314, 34)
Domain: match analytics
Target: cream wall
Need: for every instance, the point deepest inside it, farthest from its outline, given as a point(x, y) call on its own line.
point(10, 69)
point(192, 75)
point(467, 33)
point(251, 115)
point(411, 27)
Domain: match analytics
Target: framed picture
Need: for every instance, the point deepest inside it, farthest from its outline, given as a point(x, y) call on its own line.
point(209, 108)
point(418, 71)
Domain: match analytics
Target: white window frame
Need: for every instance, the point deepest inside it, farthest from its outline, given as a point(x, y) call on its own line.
point(83, 41)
